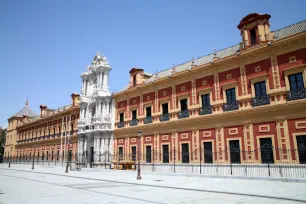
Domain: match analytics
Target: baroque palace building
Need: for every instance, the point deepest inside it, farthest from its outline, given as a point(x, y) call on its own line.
point(222, 107)
point(44, 136)
point(95, 126)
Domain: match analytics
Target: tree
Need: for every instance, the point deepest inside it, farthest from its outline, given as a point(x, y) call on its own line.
point(2, 142)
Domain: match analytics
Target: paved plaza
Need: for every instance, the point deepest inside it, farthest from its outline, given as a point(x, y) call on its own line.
point(21, 185)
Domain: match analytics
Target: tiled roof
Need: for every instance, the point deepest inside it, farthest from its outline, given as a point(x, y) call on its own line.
point(290, 30)
point(278, 34)
point(26, 111)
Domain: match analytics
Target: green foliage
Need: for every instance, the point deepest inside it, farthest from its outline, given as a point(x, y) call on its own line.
point(2, 141)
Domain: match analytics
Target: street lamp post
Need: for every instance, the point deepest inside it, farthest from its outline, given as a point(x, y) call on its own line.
point(138, 144)
point(33, 157)
point(67, 156)
point(9, 158)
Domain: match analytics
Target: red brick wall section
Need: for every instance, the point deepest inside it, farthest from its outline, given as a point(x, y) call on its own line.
point(265, 68)
point(293, 129)
point(122, 104)
point(209, 80)
point(165, 138)
point(231, 133)
point(168, 93)
point(235, 75)
point(184, 88)
point(180, 139)
point(283, 62)
point(272, 131)
point(149, 97)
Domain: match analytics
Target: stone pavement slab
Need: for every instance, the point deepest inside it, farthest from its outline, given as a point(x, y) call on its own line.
point(50, 185)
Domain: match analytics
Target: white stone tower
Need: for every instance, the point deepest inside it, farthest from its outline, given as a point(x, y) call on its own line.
point(96, 123)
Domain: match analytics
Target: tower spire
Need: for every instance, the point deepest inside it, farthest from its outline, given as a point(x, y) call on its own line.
point(27, 102)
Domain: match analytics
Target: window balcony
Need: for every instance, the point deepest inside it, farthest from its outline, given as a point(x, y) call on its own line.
point(260, 100)
point(134, 122)
point(231, 106)
point(148, 120)
point(164, 117)
point(48, 136)
point(206, 110)
point(296, 95)
point(183, 114)
point(71, 132)
point(53, 136)
point(64, 134)
point(120, 124)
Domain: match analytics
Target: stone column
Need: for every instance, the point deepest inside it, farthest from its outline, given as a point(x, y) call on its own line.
point(96, 149)
point(111, 146)
point(105, 80)
point(102, 149)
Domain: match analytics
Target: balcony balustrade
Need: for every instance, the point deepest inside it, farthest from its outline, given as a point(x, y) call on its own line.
point(120, 125)
point(183, 114)
point(231, 106)
point(296, 95)
point(134, 122)
point(164, 117)
point(148, 120)
point(260, 100)
point(206, 110)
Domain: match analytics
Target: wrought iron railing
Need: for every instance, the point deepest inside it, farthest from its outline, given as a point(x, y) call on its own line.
point(148, 120)
point(206, 110)
point(120, 124)
point(260, 100)
point(164, 117)
point(253, 41)
point(134, 122)
point(231, 106)
point(183, 114)
point(296, 95)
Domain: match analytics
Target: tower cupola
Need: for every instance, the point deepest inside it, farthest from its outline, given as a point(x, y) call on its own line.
point(255, 29)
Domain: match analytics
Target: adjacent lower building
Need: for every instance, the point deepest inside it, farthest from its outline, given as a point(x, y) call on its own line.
point(242, 104)
point(49, 136)
point(95, 126)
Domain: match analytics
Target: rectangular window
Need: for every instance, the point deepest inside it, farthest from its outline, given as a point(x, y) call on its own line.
point(134, 80)
point(184, 105)
point(52, 154)
point(121, 117)
point(234, 151)
point(185, 153)
point(148, 154)
point(231, 95)
point(148, 111)
point(205, 101)
point(37, 156)
point(260, 88)
point(208, 154)
point(134, 153)
point(47, 155)
point(253, 36)
point(296, 81)
point(266, 150)
point(165, 108)
point(301, 145)
point(57, 155)
point(121, 152)
point(134, 114)
point(165, 153)
point(43, 156)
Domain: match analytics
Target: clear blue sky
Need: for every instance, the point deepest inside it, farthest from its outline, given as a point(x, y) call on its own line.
point(46, 45)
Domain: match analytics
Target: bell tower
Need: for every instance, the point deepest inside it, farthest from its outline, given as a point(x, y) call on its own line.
point(255, 29)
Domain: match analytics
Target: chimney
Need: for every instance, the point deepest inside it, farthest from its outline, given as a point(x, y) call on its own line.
point(75, 99)
point(43, 111)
